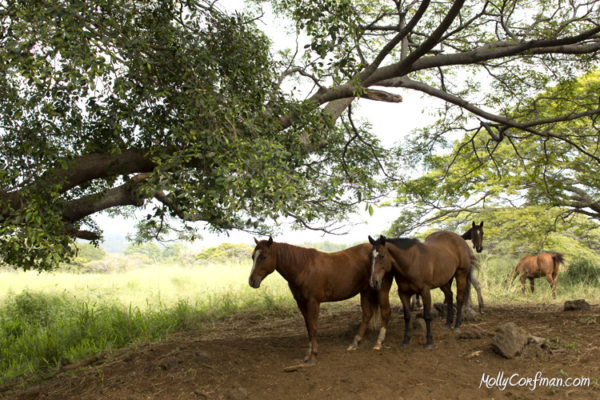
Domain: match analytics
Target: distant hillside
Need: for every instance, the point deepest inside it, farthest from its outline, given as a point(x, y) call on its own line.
point(114, 242)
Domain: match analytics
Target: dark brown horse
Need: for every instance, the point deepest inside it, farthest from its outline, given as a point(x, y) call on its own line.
point(544, 264)
point(475, 236)
point(315, 277)
point(421, 267)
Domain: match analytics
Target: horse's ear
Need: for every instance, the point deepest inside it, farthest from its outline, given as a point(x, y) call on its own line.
point(382, 238)
point(473, 224)
point(270, 242)
point(481, 224)
point(255, 241)
point(371, 240)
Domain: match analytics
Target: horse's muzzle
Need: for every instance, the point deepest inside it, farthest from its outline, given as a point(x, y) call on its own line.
point(254, 282)
point(375, 283)
point(479, 249)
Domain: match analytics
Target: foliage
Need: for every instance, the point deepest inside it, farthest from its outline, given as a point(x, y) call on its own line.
point(227, 253)
point(87, 252)
point(149, 249)
point(181, 108)
point(555, 174)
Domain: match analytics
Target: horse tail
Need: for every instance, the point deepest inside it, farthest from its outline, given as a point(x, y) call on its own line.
point(558, 259)
point(376, 321)
point(511, 276)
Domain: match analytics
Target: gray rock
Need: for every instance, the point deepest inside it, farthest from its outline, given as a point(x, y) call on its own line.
point(574, 305)
point(509, 340)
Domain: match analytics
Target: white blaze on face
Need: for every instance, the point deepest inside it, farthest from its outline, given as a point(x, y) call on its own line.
point(256, 254)
point(374, 255)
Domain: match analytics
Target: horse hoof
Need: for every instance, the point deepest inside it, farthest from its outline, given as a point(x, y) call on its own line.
point(352, 348)
point(404, 344)
point(310, 362)
point(428, 346)
point(377, 347)
point(457, 330)
point(448, 326)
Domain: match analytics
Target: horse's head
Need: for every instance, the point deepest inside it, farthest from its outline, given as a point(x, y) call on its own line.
point(263, 262)
point(381, 261)
point(477, 236)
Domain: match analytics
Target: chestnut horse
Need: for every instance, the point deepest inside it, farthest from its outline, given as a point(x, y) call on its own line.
point(421, 267)
point(475, 236)
point(544, 264)
point(315, 277)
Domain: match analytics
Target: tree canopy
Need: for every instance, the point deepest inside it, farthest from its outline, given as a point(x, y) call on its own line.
point(109, 105)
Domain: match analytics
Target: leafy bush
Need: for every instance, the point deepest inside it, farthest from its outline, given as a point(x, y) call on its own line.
point(227, 252)
point(582, 270)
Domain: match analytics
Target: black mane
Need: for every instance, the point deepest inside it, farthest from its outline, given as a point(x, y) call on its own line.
point(403, 243)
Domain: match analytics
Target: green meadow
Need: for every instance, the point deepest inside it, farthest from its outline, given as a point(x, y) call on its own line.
point(51, 319)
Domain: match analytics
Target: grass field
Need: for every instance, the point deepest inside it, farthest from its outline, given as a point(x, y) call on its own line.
point(52, 319)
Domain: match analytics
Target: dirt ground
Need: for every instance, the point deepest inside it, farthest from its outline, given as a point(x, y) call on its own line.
point(245, 359)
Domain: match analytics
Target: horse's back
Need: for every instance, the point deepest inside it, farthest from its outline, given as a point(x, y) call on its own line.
point(451, 243)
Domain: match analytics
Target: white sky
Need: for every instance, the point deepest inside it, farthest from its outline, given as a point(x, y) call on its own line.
point(390, 122)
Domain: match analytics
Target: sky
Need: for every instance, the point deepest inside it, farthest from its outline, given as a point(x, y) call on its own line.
point(390, 122)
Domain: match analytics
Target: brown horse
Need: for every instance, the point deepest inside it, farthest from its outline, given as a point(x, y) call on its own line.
point(421, 267)
point(315, 277)
point(475, 236)
point(544, 264)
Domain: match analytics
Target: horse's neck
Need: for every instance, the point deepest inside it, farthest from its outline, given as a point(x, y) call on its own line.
point(287, 264)
point(467, 234)
point(403, 257)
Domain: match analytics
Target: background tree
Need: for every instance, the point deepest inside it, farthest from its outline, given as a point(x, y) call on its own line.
point(541, 181)
point(112, 104)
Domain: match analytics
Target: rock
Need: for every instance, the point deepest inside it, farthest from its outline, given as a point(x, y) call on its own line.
point(433, 312)
point(418, 324)
point(471, 332)
point(237, 393)
point(574, 305)
point(469, 314)
point(509, 340)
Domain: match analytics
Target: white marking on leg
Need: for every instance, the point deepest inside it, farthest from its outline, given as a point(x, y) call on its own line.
point(380, 339)
point(355, 343)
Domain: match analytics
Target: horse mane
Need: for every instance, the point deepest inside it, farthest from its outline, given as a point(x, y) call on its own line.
point(403, 243)
point(288, 254)
point(467, 234)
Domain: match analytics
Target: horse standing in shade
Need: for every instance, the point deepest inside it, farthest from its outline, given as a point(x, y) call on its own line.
point(475, 236)
point(315, 277)
point(421, 267)
point(544, 264)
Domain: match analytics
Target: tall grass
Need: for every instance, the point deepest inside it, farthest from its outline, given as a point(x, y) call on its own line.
point(51, 319)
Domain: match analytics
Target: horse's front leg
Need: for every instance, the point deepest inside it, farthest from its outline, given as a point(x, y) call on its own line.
point(312, 324)
point(426, 296)
point(383, 297)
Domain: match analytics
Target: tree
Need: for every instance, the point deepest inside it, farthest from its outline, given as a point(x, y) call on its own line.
point(120, 102)
point(481, 177)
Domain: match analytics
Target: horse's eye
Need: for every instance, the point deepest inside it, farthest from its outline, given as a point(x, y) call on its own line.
point(380, 256)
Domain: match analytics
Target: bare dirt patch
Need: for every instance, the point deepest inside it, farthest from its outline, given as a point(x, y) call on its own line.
point(245, 359)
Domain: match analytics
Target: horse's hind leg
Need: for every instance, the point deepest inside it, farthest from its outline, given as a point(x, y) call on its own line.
point(461, 292)
point(367, 312)
point(552, 283)
point(447, 289)
point(426, 295)
point(531, 284)
point(405, 308)
point(415, 302)
point(477, 287)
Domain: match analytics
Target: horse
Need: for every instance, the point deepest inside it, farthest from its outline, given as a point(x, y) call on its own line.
point(315, 277)
point(544, 264)
point(420, 267)
point(475, 236)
